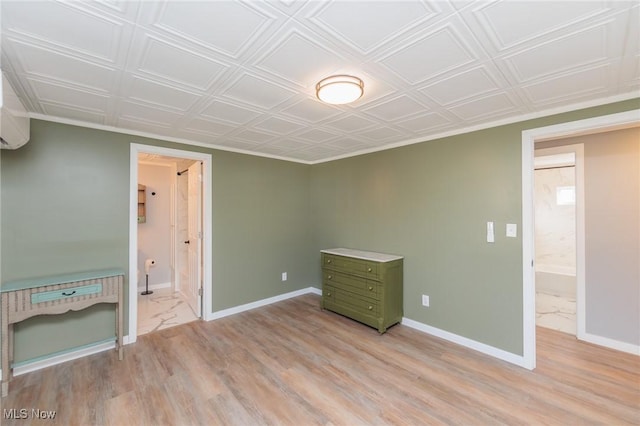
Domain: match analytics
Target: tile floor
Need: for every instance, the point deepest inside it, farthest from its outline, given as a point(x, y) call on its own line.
point(556, 312)
point(162, 309)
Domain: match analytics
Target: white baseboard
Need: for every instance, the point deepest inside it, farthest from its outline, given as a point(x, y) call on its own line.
point(610, 343)
point(154, 286)
point(41, 363)
point(466, 342)
point(259, 303)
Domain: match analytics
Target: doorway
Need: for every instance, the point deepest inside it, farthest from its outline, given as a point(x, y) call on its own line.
point(558, 204)
point(178, 208)
point(169, 249)
point(530, 137)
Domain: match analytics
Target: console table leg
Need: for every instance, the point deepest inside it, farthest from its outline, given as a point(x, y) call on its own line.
point(6, 373)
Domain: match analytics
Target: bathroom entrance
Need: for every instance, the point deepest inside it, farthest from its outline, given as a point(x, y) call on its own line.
point(171, 239)
point(556, 278)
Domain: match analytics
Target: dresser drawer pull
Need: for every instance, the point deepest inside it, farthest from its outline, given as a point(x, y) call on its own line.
point(329, 294)
point(368, 269)
point(370, 288)
point(329, 277)
point(69, 294)
point(328, 260)
point(370, 307)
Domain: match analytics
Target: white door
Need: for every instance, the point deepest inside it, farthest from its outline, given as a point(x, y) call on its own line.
point(194, 242)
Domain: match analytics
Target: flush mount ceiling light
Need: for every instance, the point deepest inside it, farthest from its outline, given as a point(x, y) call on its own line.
point(339, 89)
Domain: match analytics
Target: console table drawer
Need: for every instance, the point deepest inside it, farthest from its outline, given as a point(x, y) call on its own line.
point(66, 293)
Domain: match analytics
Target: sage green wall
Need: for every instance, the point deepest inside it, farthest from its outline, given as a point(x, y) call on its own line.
point(430, 203)
point(65, 206)
point(261, 227)
point(64, 209)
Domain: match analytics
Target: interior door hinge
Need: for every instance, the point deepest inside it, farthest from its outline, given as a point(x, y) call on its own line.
point(200, 234)
point(200, 292)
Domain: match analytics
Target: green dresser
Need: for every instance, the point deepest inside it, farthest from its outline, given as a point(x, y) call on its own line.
point(363, 285)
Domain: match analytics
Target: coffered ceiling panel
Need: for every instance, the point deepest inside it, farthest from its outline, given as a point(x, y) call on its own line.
point(223, 26)
point(58, 67)
point(65, 95)
point(177, 64)
point(571, 85)
point(431, 55)
point(311, 110)
point(424, 122)
point(366, 28)
point(496, 105)
point(300, 60)
point(258, 92)
point(100, 35)
point(153, 92)
point(241, 75)
point(467, 84)
point(509, 23)
point(231, 113)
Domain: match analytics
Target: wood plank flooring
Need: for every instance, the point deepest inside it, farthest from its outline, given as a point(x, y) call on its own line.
point(292, 364)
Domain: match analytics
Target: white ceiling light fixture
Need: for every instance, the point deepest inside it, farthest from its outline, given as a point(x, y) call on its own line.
point(339, 89)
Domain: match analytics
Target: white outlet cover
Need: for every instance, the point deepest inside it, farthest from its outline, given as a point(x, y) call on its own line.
point(425, 300)
point(512, 230)
point(284, 276)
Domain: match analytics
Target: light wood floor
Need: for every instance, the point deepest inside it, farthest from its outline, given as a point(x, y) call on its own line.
point(291, 363)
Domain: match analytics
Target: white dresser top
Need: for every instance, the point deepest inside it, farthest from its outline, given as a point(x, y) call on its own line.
point(360, 254)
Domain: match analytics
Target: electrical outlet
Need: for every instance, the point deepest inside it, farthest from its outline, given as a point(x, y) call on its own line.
point(284, 276)
point(425, 300)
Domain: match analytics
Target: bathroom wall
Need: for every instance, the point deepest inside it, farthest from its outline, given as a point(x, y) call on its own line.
point(154, 236)
point(555, 220)
point(555, 232)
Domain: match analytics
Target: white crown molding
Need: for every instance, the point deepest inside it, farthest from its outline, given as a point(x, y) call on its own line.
point(502, 122)
point(463, 130)
point(150, 135)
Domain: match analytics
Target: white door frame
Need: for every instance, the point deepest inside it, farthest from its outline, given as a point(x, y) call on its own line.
point(529, 138)
point(207, 239)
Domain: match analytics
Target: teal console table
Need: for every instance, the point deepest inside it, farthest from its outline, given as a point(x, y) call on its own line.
point(56, 295)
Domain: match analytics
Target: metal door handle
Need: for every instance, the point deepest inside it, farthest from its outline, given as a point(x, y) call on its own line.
point(186, 242)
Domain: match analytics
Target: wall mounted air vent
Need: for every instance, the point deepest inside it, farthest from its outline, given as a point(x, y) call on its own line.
point(14, 121)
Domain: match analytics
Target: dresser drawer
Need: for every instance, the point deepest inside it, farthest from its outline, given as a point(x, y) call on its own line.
point(352, 283)
point(328, 293)
point(354, 302)
point(360, 267)
point(66, 293)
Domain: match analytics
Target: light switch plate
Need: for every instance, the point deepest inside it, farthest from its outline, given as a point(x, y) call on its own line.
point(512, 230)
point(490, 234)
